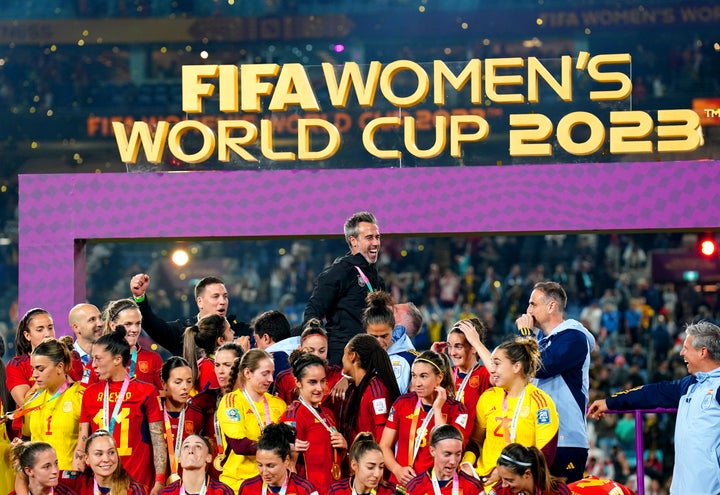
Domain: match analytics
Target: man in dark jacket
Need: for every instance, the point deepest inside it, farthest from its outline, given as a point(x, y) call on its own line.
point(340, 290)
point(211, 297)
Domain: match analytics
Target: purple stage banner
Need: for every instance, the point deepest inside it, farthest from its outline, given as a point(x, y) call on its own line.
point(58, 213)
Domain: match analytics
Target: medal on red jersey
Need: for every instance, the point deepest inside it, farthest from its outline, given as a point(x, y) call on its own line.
point(109, 421)
point(417, 434)
point(335, 470)
point(174, 447)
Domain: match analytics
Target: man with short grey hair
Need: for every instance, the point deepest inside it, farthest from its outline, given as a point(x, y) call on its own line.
point(697, 398)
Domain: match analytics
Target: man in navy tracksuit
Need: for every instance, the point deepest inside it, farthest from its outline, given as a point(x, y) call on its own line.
point(565, 347)
point(697, 397)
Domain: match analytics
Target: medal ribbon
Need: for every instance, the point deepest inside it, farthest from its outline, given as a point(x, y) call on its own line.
point(133, 362)
point(516, 414)
point(417, 434)
point(109, 422)
point(373, 491)
point(203, 490)
point(19, 413)
point(436, 485)
point(364, 278)
point(96, 487)
point(173, 446)
point(461, 389)
point(256, 413)
point(323, 421)
point(283, 489)
point(216, 427)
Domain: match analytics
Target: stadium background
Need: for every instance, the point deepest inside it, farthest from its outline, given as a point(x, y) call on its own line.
point(64, 65)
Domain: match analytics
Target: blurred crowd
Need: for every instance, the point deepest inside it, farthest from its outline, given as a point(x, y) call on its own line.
point(638, 324)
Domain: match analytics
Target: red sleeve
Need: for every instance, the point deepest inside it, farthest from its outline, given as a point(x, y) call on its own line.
point(285, 386)
point(18, 372)
point(156, 369)
point(333, 374)
point(152, 405)
point(77, 482)
point(207, 378)
point(458, 416)
point(90, 404)
point(76, 367)
point(137, 489)
point(396, 412)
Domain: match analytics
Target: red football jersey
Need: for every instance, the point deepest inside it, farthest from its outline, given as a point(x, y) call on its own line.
point(478, 383)
point(194, 422)
point(148, 367)
point(343, 487)
point(140, 407)
point(596, 486)
point(84, 484)
point(214, 487)
point(19, 372)
point(207, 377)
point(422, 485)
point(401, 417)
point(317, 461)
point(374, 410)
point(297, 485)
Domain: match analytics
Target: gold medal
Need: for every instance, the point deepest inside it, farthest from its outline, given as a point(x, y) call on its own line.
point(218, 462)
point(173, 478)
point(336, 471)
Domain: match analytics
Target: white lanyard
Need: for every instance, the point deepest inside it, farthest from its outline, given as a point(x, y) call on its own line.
point(516, 414)
point(323, 421)
point(461, 389)
point(420, 432)
point(436, 485)
point(373, 491)
point(109, 422)
point(261, 424)
point(216, 427)
point(203, 490)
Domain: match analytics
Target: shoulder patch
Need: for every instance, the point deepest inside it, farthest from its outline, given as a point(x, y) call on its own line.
point(232, 414)
point(380, 406)
point(543, 416)
point(462, 420)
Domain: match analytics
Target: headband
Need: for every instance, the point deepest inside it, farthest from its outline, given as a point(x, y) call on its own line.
point(123, 308)
point(515, 461)
point(425, 360)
